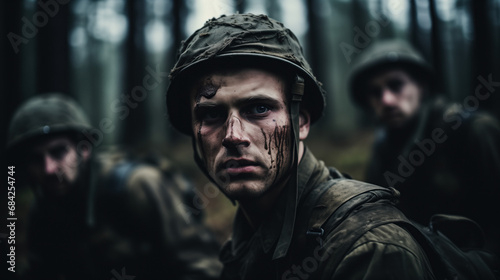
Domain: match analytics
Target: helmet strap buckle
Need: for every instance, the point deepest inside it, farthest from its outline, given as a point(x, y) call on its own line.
point(298, 89)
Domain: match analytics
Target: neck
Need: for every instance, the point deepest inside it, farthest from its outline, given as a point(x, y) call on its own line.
point(256, 210)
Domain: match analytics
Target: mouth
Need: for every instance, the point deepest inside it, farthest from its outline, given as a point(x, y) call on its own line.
point(239, 166)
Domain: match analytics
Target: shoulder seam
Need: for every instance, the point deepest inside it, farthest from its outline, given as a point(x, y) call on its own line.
point(380, 242)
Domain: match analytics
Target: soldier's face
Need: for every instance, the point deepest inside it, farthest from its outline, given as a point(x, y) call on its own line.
point(53, 165)
point(242, 130)
point(395, 97)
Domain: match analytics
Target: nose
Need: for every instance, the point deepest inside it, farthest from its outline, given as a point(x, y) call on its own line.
point(235, 134)
point(50, 165)
point(388, 98)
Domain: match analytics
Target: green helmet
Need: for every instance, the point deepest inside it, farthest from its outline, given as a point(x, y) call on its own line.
point(45, 114)
point(386, 55)
point(245, 39)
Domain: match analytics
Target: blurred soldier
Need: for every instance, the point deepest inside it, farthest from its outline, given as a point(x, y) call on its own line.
point(243, 91)
point(442, 157)
point(101, 216)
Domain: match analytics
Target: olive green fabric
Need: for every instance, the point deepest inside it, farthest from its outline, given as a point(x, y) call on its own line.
point(385, 55)
point(45, 114)
point(144, 230)
point(243, 39)
point(385, 252)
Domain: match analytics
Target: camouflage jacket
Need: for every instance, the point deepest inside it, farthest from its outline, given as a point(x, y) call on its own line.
point(385, 252)
point(121, 230)
point(447, 161)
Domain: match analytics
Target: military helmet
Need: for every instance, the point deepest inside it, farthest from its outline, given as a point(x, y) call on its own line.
point(45, 114)
point(245, 39)
point(386, 55)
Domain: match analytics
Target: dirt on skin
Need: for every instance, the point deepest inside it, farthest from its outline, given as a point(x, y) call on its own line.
point(207, 89)
point(280, 135)
point(282, 141)
point(281, 144)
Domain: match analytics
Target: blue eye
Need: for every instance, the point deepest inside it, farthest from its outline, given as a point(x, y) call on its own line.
point(259, 109)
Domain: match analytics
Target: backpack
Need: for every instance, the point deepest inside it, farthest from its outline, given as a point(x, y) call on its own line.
point(120, 173)
point(353, 214)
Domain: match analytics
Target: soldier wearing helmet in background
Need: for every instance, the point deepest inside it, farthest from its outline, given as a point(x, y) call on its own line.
point(100, 215)
point(442, 157)
point(243, 91)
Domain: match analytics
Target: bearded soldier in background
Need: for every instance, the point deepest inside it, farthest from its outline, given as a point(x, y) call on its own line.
point(443, 157)
point(98, 215)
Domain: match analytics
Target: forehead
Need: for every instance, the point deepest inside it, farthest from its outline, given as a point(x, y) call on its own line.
point(52, 142)
point(388, 74)
point(232, 84)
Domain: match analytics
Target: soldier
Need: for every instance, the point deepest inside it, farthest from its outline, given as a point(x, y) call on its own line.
point(243, 91)
point(443, 157)
point(100, 215)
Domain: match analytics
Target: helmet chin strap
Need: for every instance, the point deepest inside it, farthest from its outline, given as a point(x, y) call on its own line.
point(291, 191)
point(297, 93)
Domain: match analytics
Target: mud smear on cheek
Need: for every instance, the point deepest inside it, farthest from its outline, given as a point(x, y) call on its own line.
point(267, 146)
point(270, 149)
point(265, 138)
point(281, 140)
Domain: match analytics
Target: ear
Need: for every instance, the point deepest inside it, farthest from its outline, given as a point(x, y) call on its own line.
point(85, 152)
point(304, 124)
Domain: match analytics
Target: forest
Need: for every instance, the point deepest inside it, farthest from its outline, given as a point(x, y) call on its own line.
point(114, 58)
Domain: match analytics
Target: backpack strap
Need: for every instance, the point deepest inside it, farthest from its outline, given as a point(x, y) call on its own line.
point(330, 202)
point(353, 226)
point(344, 210)
point(310, 205)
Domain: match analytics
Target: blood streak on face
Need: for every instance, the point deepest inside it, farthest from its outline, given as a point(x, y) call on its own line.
point(242, 125)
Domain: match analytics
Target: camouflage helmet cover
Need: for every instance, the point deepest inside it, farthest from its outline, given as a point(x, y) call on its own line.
point(45, 114)
point(386, 55)
point(241, 38)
